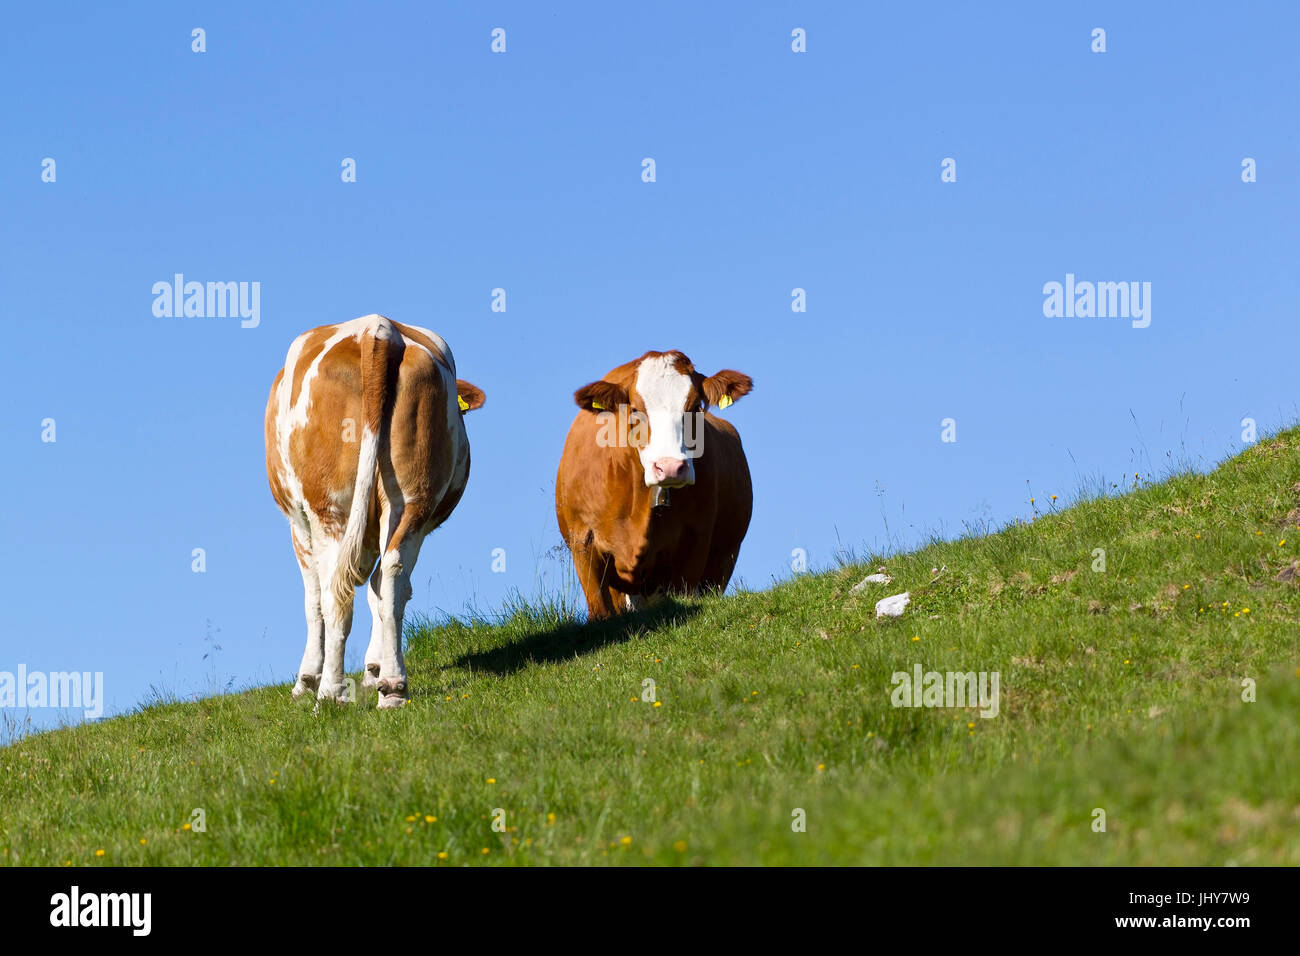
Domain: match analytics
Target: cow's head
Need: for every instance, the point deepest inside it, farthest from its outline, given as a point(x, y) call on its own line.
point(661, 392)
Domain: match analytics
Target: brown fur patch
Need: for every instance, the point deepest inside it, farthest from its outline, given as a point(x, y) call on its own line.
point(311, 348)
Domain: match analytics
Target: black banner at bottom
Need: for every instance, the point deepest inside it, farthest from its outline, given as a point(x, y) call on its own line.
point(1223, 905)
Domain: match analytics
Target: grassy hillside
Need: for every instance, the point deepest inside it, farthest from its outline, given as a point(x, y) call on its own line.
point(1121, 689)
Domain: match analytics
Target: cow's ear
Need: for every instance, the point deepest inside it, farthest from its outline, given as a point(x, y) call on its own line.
point(601, 397)
point(726, 386)
point(468, 396)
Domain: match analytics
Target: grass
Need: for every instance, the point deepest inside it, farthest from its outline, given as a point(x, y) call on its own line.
point(1121, 690)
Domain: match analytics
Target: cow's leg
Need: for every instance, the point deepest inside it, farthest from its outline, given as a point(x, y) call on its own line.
point(600, 598)
point(394, 591)
point(390, 515)
point(374, 651)
point(313, 657)
point(338, 623)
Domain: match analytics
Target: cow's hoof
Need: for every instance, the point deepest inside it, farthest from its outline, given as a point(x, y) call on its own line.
point(371, 679)
point(307, 683)
point(336, 695)
point(392, 692)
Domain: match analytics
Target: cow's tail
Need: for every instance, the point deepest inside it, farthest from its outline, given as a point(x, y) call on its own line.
point(378, 342)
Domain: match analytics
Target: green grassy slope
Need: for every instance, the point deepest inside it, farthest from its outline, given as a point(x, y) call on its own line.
point(1121, 690)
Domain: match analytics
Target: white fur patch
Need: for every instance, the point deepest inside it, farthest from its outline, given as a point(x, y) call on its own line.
point(664, 391)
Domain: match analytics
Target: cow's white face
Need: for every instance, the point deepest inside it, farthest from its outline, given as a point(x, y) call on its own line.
point(668, 396)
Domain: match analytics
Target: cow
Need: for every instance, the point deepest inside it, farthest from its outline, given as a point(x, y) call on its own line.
point(653, 492)
point(366, 453)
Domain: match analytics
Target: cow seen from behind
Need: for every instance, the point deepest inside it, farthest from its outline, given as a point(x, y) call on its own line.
point(366, 453)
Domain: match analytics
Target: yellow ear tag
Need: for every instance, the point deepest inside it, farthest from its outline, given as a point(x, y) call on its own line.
point(464, 405)
point(598, 405)
point(726, 400)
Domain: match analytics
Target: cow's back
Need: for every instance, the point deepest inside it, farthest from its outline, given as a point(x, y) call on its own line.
point(313, 426)
point(315, 416)
point(428, 444)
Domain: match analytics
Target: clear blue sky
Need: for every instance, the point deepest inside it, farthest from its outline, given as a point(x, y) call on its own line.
point(522, 170)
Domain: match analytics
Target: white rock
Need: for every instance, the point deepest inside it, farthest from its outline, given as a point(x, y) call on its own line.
point(871, 579)
point(893, 605)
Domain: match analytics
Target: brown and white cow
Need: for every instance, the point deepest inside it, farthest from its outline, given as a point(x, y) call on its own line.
point(653, 492)
point(366, 453)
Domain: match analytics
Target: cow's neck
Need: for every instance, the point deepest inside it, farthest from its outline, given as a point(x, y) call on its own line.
point(643, 507)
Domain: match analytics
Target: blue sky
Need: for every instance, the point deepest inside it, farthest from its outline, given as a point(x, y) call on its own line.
point(521, 170)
